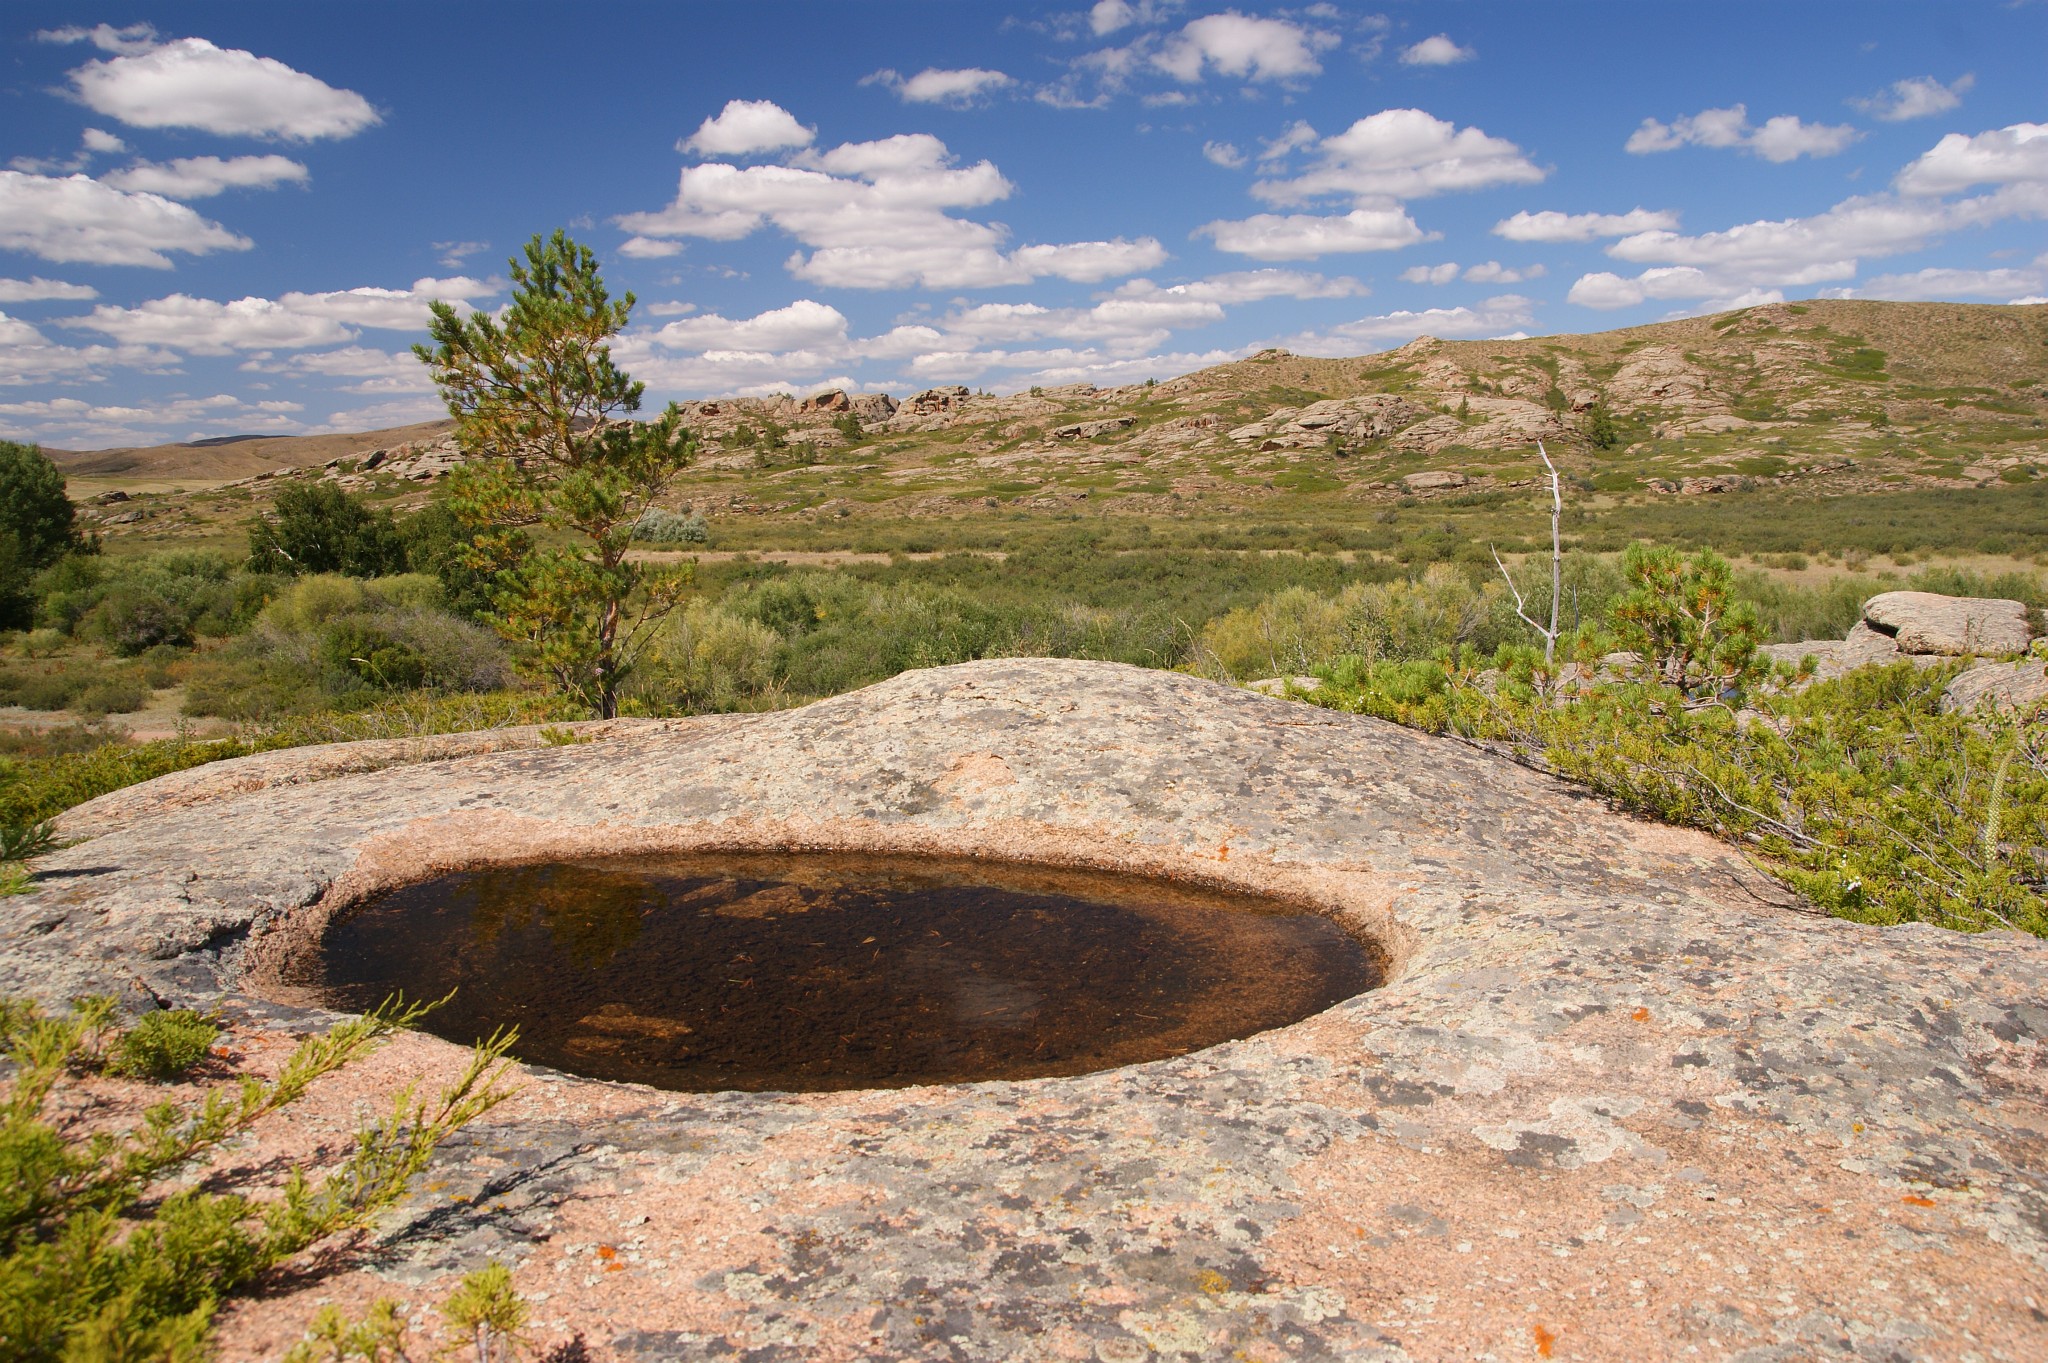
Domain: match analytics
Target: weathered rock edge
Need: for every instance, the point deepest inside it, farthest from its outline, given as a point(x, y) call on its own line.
point(1617, 1089)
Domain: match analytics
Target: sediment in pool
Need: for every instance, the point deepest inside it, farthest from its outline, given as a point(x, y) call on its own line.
point(830, 971)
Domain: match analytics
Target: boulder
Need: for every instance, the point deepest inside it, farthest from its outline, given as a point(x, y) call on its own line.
point(1085, 430)
point(1926, 622)
point(874, 407)
point(1714, 483)
point(1433, 479)
point(933, 400)
point(2002, 686)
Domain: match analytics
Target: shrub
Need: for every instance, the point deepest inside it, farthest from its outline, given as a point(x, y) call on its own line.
point(163, 1044)
point(331, 640)
point(708, 659)
point(657, 525)
point(132, 618)
point(36, 527)
point(109, 1249)
point(318, 528)
point(133, 605)
point(1297, 630)
point(1682, 616)
point(1603, 432)
point(111, 696)
point(438, 542)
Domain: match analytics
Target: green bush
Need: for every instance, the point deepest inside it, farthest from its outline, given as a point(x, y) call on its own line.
point(439, 543)
point(330, 640)
point(109, 1248)
point(1298, 630)
point(708, 659)
point(133, 605)
point(36, 527)
point(318, 528)
point(111, 696)
point(1863, 794)
point(163, 1045)
point(657, 525)
point(132, 619)
point(1681, 615)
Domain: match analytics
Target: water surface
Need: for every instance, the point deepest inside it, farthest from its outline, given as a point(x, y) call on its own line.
point(815, 971)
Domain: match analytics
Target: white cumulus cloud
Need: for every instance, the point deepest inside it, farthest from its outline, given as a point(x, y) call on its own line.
point(878, 215)
point(1293, 138)
point(1486, 272)
point(190, 83)
point(389, 309)
point(1304, 236)
point(1250, 286)
point(1820, 248)
point(1403, 154)
point(1497, 316)
point(105, 37)
point(39, 289)
point(76, 218)
point(1783, 138)
point(1430, 274)
point(1090, 262)
point(201, 177)
point(201, 326)
point(2004, 156)
point(747, 127)
point(1916, 97)
point(934, 85)
point(649, 248)
point(1223, 154)
point(803, 325)
point(364, 369)
point(1242, 46)
point(1551, 225)
point(1493, 272)
point(1437, 51)
point(1941, 283)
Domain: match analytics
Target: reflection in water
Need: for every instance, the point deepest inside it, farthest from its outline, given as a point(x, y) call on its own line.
point(834, 972)
point(591, 920)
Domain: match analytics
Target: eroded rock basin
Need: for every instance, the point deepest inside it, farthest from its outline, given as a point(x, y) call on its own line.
point(1620, 1097)
point(810, 972)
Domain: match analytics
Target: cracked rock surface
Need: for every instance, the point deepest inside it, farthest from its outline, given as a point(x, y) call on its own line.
point(1621, 1097)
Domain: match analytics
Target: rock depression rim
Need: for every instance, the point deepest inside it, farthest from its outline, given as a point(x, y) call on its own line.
point(820, 972)
point(278, 956)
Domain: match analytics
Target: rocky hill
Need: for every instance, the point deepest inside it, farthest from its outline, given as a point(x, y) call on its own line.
point(238, 456)
point(1840, 396)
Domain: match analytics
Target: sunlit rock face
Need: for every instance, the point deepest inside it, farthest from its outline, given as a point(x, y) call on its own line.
point(1620, 1096)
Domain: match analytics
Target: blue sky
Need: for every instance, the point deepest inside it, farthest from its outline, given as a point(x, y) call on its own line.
point(220, 219)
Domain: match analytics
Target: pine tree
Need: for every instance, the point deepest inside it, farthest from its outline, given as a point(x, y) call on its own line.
point(546, 417)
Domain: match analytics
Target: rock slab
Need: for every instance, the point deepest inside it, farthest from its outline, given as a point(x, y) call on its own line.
point(2003, 687)
point(1620, 1099)
point(1926, 622)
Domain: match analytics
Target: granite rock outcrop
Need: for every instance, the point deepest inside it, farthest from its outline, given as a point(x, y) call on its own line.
point(1622, 1096)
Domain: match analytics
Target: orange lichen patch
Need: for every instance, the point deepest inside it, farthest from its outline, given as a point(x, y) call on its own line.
point(1641, 1015)
point(1915, 1200)
point(1546, 1341)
